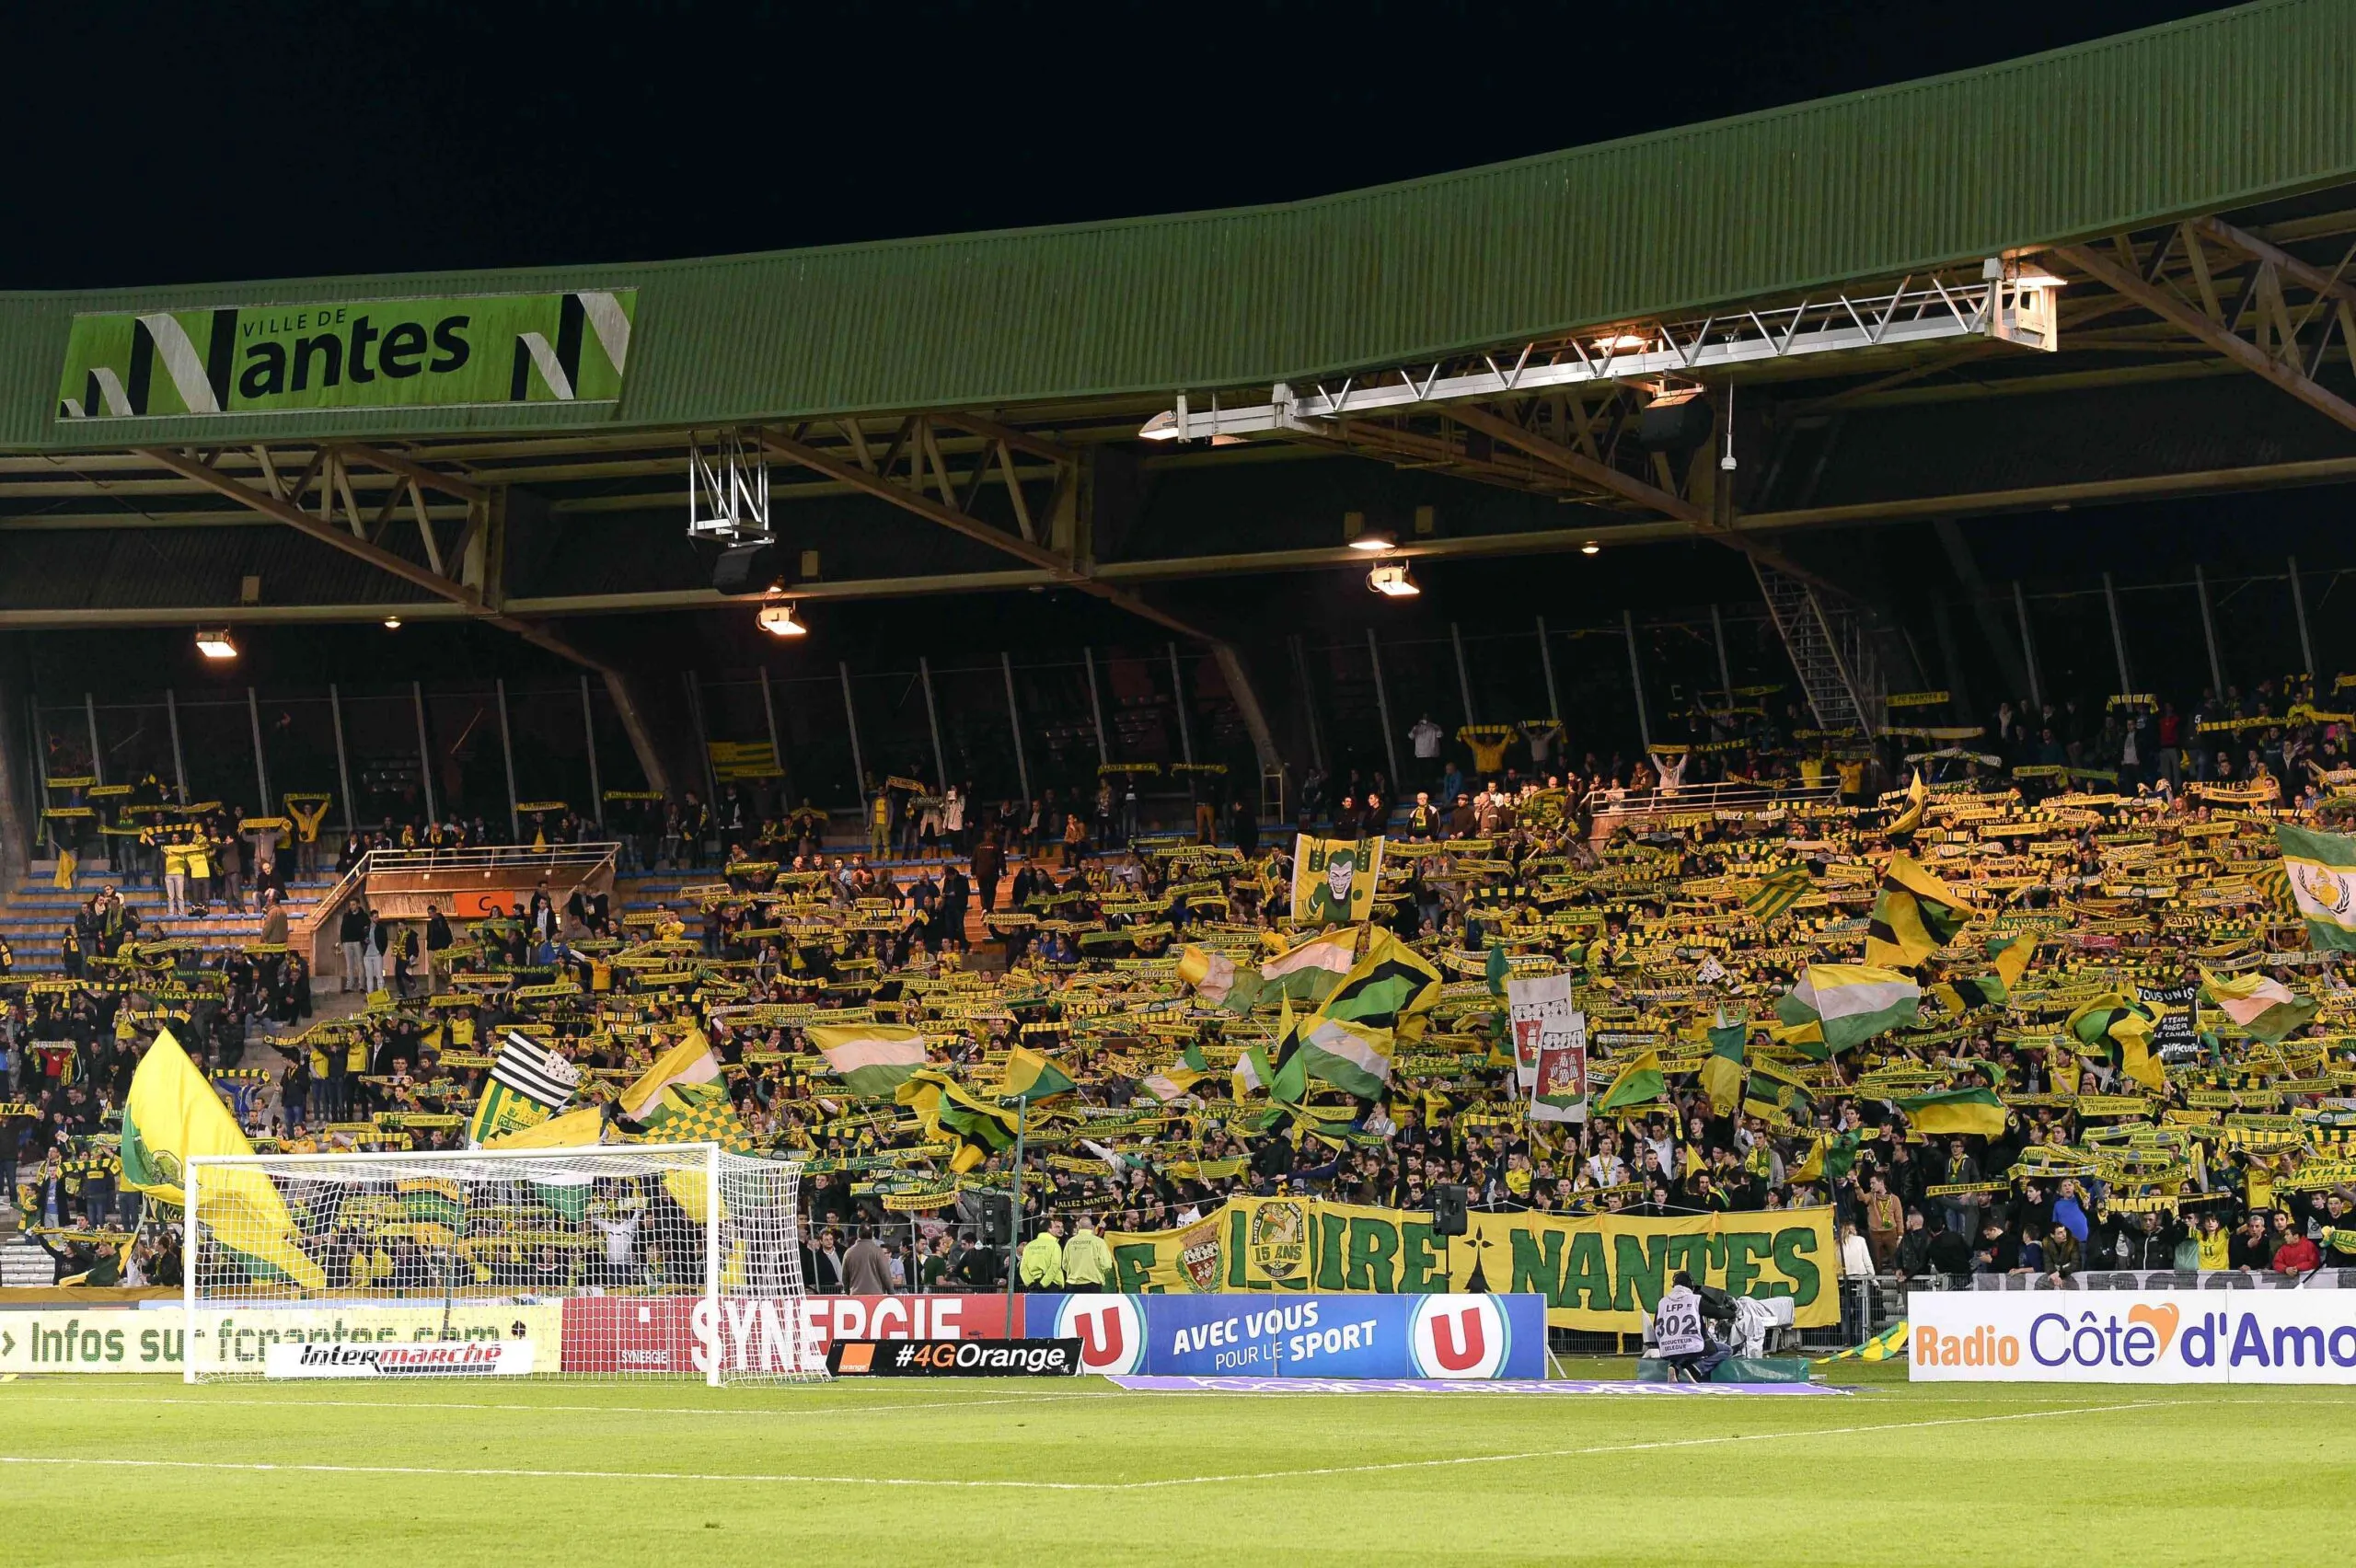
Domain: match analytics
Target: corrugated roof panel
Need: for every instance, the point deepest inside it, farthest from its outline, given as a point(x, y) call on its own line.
point(2201, 115)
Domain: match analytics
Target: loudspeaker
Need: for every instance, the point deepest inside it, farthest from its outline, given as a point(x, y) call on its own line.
point(1678, 427)
point(750, 568)
point(1448, 1210)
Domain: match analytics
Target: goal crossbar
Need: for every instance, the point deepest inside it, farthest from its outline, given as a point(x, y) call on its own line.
point(602, 1259)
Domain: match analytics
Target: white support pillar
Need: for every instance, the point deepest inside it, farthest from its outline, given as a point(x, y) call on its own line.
point(850, 719)
point(343, 759)
point(777, 746)
point(261, 764)
point(704, 744)
point(2299, 606)
point(2208, 631)
point(1636, 679)
point(1546, 665)
point(1014, 724)
point(507, 755)
point(98, 755)
point(172, 714)
point(589, 734)
point(1382, 707)
point(2028, 647)
point(1096, 707)
point(1463, 675)
point(1178, 701)
point(425, 753)
point(933, 719)
point(2118, 635)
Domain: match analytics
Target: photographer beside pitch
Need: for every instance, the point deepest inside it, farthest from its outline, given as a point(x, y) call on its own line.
point(1680, 1337)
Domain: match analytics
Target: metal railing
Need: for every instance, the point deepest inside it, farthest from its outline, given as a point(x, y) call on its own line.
point(1634, 807)
point(585, 862)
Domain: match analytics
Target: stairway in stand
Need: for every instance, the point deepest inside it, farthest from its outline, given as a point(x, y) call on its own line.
point(36, 912)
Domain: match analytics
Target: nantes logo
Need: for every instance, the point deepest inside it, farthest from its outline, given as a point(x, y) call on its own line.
point(1279, 1243)
point(389, 353)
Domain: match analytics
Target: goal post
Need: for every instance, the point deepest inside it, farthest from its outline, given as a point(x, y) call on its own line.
point(612, 1261)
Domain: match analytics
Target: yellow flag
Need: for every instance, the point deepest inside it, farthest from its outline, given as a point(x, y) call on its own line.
point(172, 1115)
point(574, 1129)
point(690, 1060)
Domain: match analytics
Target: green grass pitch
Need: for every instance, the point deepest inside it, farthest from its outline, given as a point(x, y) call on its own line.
point(128, 1468)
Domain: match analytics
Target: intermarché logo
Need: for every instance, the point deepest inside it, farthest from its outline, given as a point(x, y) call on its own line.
point(2139, 1337)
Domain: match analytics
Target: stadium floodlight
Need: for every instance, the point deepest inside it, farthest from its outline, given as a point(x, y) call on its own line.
point(1392, 582)
point(392, 623)
point(1373, 544)
point(1590, 547)
point(610, 1261)
point(214, 642)
point(778, 621)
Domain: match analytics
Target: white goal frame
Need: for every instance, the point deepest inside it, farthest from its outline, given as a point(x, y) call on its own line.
point(781, 1270)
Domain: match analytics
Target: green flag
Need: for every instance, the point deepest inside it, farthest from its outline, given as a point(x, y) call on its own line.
point(1722, 1072)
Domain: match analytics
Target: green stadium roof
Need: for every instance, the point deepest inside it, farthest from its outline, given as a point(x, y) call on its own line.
point(2217, 112)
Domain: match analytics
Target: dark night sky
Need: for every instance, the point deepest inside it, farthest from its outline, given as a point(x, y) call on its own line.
point(174, 144)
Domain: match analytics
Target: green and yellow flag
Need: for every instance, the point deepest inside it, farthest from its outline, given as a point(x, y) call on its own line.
point(1349, 1041)
point(1333, 880)
point(1830, 1157)
point(1308, 971)
point(1722, 1070)
point(172, 1115)
point(1955, 1111)
point(2321, 869)
point(870, 1058)
point(2012, 955)
point(1915, 914)
point(690, 1060)
point(1218, 979)
point(1639, 1082)
point(1776, 1091)
point(574, 1129)
point(1031, 1077)
point(944, 1107)
point(1970, 992)
point(1848, 1004)
point(1903, 826)
point(696, 1112)
point(1776, 892)
point(2120, 1029)
point(2266, 1008)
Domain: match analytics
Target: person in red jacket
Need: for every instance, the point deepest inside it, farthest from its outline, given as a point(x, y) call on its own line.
point(2298, 1255)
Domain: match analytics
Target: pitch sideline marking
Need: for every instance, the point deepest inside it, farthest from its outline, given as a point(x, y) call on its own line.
point(953, 1485)
point(566, 1409)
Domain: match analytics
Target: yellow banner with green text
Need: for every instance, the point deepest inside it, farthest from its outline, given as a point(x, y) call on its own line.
point(1598, 1272)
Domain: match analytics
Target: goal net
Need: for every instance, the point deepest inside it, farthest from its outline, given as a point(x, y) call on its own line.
point(673, 1260)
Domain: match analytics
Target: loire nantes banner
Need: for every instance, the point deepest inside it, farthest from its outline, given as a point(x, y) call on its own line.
point(1300, 1336)
point(380, 353)
point(1596, 1272)
point(2186, 1336)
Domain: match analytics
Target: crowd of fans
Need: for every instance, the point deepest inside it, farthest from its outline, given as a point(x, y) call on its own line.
point(2130, 846)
